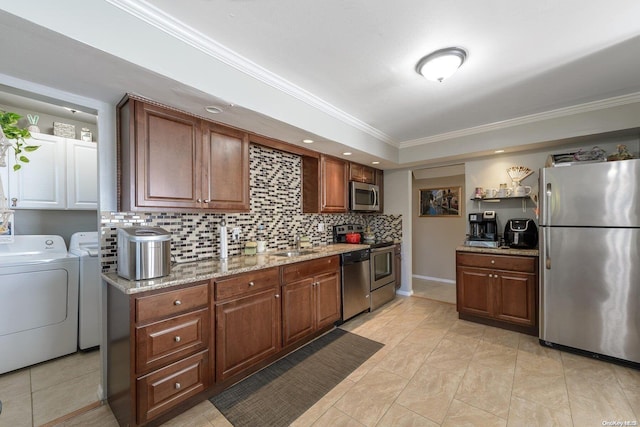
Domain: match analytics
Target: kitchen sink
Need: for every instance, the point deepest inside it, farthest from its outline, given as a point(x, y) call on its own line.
point(293, 253)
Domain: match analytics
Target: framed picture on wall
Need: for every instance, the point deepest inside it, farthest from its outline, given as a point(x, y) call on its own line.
point(444, 201)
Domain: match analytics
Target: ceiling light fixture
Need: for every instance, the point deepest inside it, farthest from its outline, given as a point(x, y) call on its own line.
point(347, 153)
point(375, 163)
point(213, 109)
point(308, 141)
point(499, 151)
point(442, 63)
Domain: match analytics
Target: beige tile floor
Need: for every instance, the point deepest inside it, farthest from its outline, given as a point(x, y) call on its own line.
point(439, 291)
point(36, 395)
point(437, 370)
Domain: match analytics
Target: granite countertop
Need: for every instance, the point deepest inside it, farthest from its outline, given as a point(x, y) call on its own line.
point(183, 273)
point(498, 251)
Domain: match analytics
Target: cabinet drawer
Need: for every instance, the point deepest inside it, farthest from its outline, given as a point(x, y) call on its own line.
point(166, 304)
point(167, 341)
point(300, 270)
point(499, 262)
point(165, 388)
point(246, 283)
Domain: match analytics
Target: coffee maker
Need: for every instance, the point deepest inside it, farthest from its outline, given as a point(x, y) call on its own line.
point(483, 229)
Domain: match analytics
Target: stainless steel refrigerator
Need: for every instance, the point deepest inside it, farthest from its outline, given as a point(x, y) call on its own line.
point(590, 258)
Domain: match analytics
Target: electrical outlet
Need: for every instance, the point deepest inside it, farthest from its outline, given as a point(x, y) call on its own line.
point(235, 233)
point(321, 226)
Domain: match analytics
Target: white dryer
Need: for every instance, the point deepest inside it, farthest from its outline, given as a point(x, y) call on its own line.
point(85, 246)
point(38, 301)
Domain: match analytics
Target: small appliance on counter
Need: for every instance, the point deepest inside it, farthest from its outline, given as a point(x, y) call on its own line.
point(521, 233)
point(483, 230)
point(143, 252)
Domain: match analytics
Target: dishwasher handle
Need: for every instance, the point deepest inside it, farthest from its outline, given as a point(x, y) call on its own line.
point(354, 257)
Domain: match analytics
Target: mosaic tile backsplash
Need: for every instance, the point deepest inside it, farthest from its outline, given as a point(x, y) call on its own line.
point(275, 216)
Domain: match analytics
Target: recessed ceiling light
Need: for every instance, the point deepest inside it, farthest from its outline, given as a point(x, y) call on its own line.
point(308, 141)
point(442, 63)
point(375, 163)
point(499, 151)
point(347, 153)
point(213, 109)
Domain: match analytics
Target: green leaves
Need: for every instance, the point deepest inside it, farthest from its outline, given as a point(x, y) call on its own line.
point(17, 136)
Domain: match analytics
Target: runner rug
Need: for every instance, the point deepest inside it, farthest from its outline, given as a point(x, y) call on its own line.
point(277, 395)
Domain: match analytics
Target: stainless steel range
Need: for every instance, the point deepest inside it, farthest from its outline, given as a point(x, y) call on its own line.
point(382, 283)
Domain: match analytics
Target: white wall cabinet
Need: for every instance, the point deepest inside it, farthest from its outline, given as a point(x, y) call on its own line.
point(61, 174)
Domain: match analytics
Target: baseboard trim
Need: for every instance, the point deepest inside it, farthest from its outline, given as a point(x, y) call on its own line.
point(404, 293)
point(73, 414)
point(435, 279)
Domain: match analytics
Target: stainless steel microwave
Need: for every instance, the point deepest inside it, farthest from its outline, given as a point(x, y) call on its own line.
point(364, 197)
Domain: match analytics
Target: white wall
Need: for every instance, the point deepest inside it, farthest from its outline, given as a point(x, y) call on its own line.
point(490, 172)
point(397, 201)
point(435, 238)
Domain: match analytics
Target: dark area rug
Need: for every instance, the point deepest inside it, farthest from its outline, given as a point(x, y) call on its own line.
point(281, 392)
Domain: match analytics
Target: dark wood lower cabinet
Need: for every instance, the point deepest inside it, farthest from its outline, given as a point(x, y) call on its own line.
point(163, 389)
point(500, 290)
point(311, 298)
point(297, 312)
point(170, 349)
point(247, 331)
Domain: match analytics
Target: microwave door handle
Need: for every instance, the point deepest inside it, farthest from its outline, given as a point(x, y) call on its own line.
point(375, 196)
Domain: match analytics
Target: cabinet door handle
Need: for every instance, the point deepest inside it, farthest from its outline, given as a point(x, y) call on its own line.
point(199, 200)
point(277, 295)
point(493, 261)
point(491, 275)
point(177, 386)
point(177, 302)
point(206, 200)
point(251, 284)
point(177, 339)
point(14, 202)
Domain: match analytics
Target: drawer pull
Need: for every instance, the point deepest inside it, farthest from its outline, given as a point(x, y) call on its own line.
point(177, 386)
point(491, 275)
point(251, 284)
point(493, 261)
point(177, 302)
point(177, 339)
point(277, 295)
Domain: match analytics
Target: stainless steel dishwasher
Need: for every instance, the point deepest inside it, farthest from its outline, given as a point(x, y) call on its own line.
point(356, 275)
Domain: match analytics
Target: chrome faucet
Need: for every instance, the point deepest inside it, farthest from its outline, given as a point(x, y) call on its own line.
point(296, 239)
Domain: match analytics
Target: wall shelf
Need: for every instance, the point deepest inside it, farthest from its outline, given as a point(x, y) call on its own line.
point(500, 199)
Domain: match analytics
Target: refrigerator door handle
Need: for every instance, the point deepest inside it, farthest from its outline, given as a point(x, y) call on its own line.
point(547, 258)
point(546, 214)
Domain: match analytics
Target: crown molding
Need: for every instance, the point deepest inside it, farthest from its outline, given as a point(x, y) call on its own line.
point(175, 28)
point(532, 118)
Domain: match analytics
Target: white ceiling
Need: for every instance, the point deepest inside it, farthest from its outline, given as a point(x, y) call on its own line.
point(350, 60)
point(360, 56)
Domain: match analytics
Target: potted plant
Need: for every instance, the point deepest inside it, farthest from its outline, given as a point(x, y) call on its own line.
point(15, 137)
point(11, 136)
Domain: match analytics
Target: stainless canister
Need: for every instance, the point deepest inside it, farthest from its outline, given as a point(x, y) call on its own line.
point(143, 252)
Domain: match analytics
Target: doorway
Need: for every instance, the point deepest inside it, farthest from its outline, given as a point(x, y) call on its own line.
point(52, 389)
point(436, 236)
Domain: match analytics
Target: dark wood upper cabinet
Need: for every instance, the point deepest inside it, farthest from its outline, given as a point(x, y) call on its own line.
point(362, 173)
point(170, 159)
point(325, 185)
point(226, 178)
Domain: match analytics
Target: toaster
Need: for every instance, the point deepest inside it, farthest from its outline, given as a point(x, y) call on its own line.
point(521, 233)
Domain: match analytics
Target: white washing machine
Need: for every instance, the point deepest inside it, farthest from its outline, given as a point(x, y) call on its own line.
point(38, 301)
point(85, 246)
